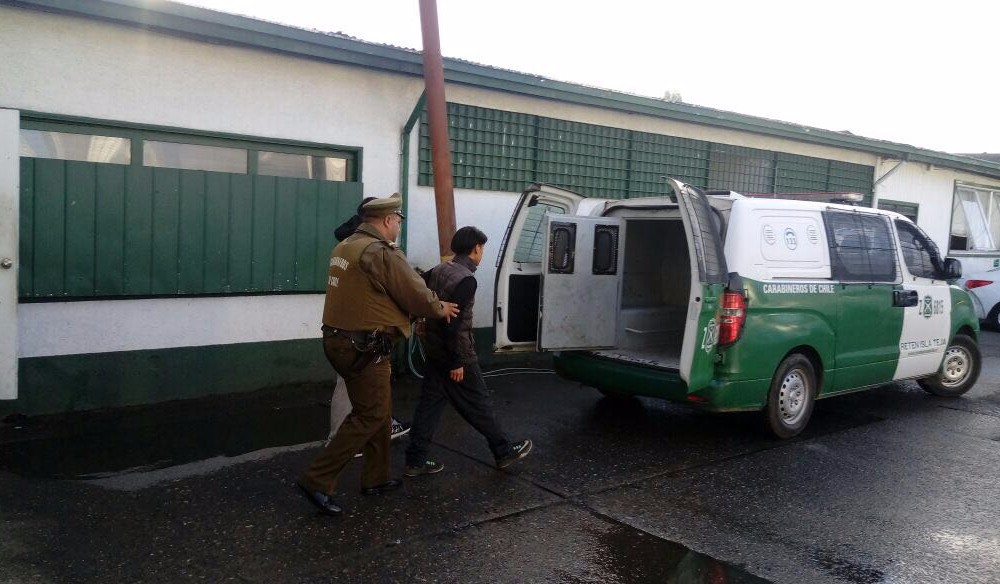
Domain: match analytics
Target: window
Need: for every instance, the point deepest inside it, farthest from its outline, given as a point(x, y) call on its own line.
point(301, 166)
point(562, 248)
point(745, 170)
point(81, 147)
point(908, 210)
point(529, 242)
point(194, 157)
point(499, 150)
point(605, 250)
point(861, 247)
point(975, 219)
point(98, 221)
point(919, 252)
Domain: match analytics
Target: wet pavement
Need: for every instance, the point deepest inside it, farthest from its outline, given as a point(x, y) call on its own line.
point(889, 485)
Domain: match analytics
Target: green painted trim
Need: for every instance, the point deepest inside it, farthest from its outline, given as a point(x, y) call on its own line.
point(404, 167)
point(108, 380)
point(33, 120)
point(211, 26)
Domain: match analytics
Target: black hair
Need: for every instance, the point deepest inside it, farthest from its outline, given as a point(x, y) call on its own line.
point(467, 238)
point(347, 227)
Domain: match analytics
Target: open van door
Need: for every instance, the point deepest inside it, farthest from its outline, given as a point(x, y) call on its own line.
point(581, 282)
point(518, 285)
point(708, 281)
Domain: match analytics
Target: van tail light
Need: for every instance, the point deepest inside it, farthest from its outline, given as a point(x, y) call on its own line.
point(970, 284)
point(734, 312)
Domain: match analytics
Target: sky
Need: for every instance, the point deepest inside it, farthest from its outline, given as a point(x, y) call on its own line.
point(915, 73)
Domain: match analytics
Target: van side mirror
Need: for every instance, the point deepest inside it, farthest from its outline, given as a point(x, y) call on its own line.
point(952, 269)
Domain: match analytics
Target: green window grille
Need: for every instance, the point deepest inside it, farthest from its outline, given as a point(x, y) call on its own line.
point(846, 177)
point(655, 156)
point(801, 174)
point(584, 157)
point(490, 149)
point(740, 169)
point(506, 151)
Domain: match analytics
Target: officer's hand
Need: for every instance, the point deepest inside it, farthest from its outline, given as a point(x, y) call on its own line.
point(457, 375)
point(450, 310)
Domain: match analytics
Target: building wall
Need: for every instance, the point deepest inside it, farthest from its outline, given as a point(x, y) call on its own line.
point(78, 67)
point(71, 353)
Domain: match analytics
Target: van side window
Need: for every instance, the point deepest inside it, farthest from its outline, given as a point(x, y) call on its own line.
point(531, 238)
point(919, 252)
point(861, 247)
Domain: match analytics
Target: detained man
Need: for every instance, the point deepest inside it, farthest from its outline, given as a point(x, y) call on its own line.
point(453, 374)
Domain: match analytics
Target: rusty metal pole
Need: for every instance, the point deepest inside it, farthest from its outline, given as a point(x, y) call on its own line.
point(437, 115)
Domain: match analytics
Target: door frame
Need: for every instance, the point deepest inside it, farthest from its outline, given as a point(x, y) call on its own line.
point(10, 146)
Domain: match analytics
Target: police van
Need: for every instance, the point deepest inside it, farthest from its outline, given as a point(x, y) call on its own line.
point(732, 303)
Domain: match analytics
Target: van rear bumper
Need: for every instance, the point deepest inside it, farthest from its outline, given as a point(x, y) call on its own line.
point(632, 379)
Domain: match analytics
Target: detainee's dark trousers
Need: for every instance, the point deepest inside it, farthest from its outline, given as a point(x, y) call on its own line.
point(366, 429)
point(470, 398)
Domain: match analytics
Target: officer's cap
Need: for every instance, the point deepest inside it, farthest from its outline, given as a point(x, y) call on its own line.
point(383, 206)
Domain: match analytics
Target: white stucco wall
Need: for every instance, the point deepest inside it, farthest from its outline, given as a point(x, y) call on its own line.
point(80, 67)
point(102, 326)
point(929, 187)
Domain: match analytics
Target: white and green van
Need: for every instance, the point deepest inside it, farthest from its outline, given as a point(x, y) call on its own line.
point(732, 303)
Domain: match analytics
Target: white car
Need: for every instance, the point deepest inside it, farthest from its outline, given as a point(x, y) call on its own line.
point(984, 288)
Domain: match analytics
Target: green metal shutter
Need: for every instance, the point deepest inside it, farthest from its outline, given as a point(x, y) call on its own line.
point(104, 230)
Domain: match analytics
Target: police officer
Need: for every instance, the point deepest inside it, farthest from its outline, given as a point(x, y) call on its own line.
point(371, 293)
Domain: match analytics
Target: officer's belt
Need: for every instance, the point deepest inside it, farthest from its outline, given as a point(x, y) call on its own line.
point(353, 336)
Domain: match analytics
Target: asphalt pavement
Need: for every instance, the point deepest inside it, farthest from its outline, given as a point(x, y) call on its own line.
point(888, 485)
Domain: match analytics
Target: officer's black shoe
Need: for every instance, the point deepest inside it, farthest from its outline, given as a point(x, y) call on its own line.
point(389, 485)
point(323, 501)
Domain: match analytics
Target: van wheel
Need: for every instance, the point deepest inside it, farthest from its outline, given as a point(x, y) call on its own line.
point(993, 318)
point(959, 370)
point(792, 396)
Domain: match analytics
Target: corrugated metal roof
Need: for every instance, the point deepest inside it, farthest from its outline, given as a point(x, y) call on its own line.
point(220, 27)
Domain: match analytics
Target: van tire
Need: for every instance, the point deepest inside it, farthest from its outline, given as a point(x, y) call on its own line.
point(959, 370)
point(993, 318)
point(792, 396)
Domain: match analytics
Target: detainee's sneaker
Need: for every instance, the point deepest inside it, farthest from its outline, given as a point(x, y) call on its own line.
point(520, 450)
point(399, 429)
point(428, 467)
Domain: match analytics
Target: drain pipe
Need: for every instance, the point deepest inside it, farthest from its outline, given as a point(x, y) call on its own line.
point(404, 165)
point(437, 117)
point(888, 173)
point(875, 196)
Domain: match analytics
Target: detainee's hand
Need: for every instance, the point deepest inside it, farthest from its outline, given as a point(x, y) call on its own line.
point(450, 310)
point(457, 375)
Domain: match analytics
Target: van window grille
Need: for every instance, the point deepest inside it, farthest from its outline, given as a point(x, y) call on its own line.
point(562, 248)
point(605, 250)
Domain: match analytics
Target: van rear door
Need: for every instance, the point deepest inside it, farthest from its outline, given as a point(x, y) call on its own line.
point(708, 281)
point(581, 282)
point(517, 288)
